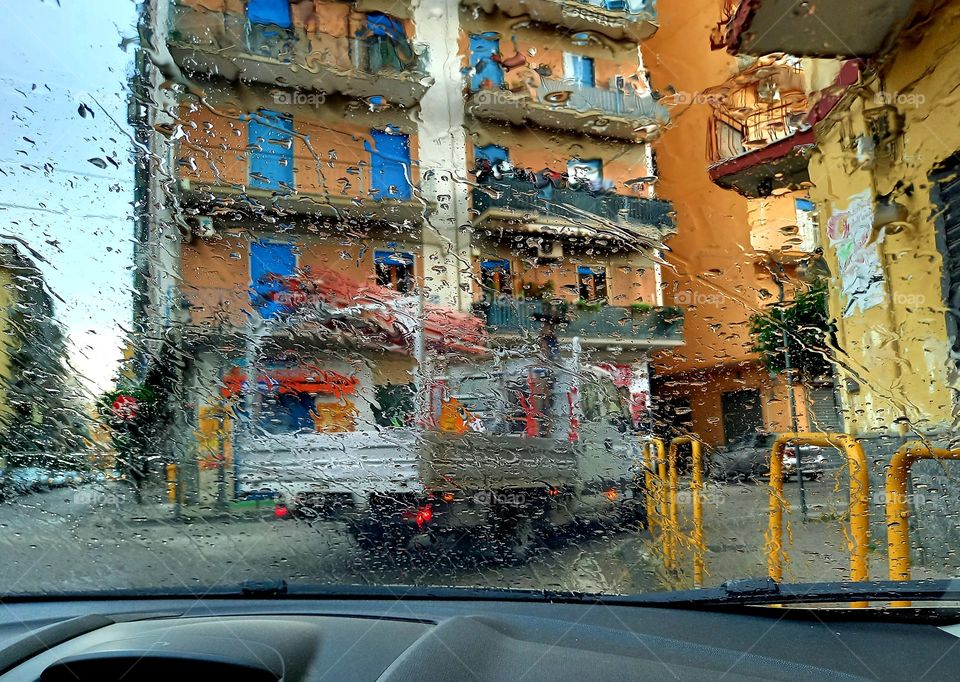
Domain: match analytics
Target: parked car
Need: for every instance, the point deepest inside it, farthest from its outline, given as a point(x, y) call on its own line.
point(748, 458)
point(813, 462)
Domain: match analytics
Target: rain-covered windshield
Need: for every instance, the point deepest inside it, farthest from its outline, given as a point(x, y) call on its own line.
point(613, 296)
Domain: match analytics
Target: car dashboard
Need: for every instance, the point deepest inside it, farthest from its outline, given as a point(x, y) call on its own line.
point(456, 639)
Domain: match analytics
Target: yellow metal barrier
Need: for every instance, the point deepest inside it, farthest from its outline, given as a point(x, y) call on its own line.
point(656, 499)
point(651, 485)
point(696, 487)
point(859, 500)
point(172, 483)
point(898, 508)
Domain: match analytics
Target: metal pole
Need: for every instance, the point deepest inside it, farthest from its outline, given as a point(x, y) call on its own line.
point(791, 398)
point(221, 454)
point(793, 423)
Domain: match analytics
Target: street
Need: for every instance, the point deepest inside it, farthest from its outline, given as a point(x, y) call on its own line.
point(96, 537)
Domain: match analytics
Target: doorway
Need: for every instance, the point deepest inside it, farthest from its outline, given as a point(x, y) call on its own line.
point(742, 413)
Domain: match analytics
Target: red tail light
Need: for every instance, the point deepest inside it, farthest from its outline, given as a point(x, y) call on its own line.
point(424, 514)
point(281, 511)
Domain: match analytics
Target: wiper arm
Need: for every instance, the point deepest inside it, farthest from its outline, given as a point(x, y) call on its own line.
point(757, 592)
point(765, 591)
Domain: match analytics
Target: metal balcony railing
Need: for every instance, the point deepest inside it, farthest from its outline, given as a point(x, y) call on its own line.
point(511, 317)
point(569, 203)
point(225, 31)
point(733, 137)
point(614, 102)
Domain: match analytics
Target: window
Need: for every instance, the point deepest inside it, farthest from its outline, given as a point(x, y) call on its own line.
point(592, 283)
point(495, 279)
point(389, 164)
point(395, 405)
point(270, 140)
point(276, 12)
point(269, 262)
point(586, 173)
point(384, 44)
point(485, 72)
point(579, 69)
point(394, 270)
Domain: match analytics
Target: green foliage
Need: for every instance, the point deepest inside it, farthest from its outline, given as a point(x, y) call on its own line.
point(141, 438)
point(807, 326)
point(640, 307)
point(589, 306)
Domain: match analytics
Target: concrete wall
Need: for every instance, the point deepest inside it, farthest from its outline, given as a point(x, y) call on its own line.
point(897, 351)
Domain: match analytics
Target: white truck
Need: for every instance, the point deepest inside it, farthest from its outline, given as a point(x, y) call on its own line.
point(510, 449)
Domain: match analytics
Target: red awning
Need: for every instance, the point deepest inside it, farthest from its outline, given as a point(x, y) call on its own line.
point(385, 311)
point(303, 379)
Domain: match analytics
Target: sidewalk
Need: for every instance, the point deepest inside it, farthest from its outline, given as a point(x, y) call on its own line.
point(155, 509)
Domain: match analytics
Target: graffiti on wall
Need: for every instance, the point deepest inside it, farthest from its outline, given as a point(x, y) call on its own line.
point(861, 273)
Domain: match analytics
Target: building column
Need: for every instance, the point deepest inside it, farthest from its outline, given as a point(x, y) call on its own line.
point(446, 249)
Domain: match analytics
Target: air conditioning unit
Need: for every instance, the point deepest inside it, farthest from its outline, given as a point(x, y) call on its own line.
point(550, 250)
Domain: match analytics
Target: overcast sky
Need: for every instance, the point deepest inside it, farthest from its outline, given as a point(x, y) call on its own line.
point(55, 54)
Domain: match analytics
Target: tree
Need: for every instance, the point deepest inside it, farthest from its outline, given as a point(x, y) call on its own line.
point(808, 328)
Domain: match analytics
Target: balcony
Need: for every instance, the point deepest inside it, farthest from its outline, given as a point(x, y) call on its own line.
point(762, 152)
point(605, 325)
point(634, 20)
point(301, 210)
point(831, 28)
point(564, 105)
point(516, 206)
point(225, 45)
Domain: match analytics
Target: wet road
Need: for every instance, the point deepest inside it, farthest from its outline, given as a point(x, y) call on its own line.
point(94, 537)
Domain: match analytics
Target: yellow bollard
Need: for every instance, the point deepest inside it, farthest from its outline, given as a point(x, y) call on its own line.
point(657, 503)
point(649, 484)
point(696, 488)
point(898, 507)
point(859, 500)
point(171, 483)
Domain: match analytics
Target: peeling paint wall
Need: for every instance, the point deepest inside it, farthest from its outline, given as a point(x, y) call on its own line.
point(897, 352)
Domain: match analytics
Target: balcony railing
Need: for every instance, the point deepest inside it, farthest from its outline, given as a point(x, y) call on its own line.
point(225, 43)
point(615, 102)
point(618, 19)
point(608, 323)
point(571, 204)
point(734, 137)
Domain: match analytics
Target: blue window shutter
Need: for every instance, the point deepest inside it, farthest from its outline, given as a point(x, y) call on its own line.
point(492, 153)
point(389, 165)
point(579, 69)
point(266, 259)
point(492, 264)
point(270, 139)
point(482, 49)
point(275, 12)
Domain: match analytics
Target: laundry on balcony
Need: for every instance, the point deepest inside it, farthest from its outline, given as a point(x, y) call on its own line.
point(382, 44)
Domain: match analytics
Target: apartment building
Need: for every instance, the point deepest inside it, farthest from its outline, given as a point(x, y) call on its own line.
point(345, 197)
point(734, 163)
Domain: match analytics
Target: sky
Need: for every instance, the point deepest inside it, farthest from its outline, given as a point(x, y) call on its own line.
point(77, 215)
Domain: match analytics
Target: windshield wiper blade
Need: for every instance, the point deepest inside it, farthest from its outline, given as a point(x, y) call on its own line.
point(764, 591)
point(751, 592)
